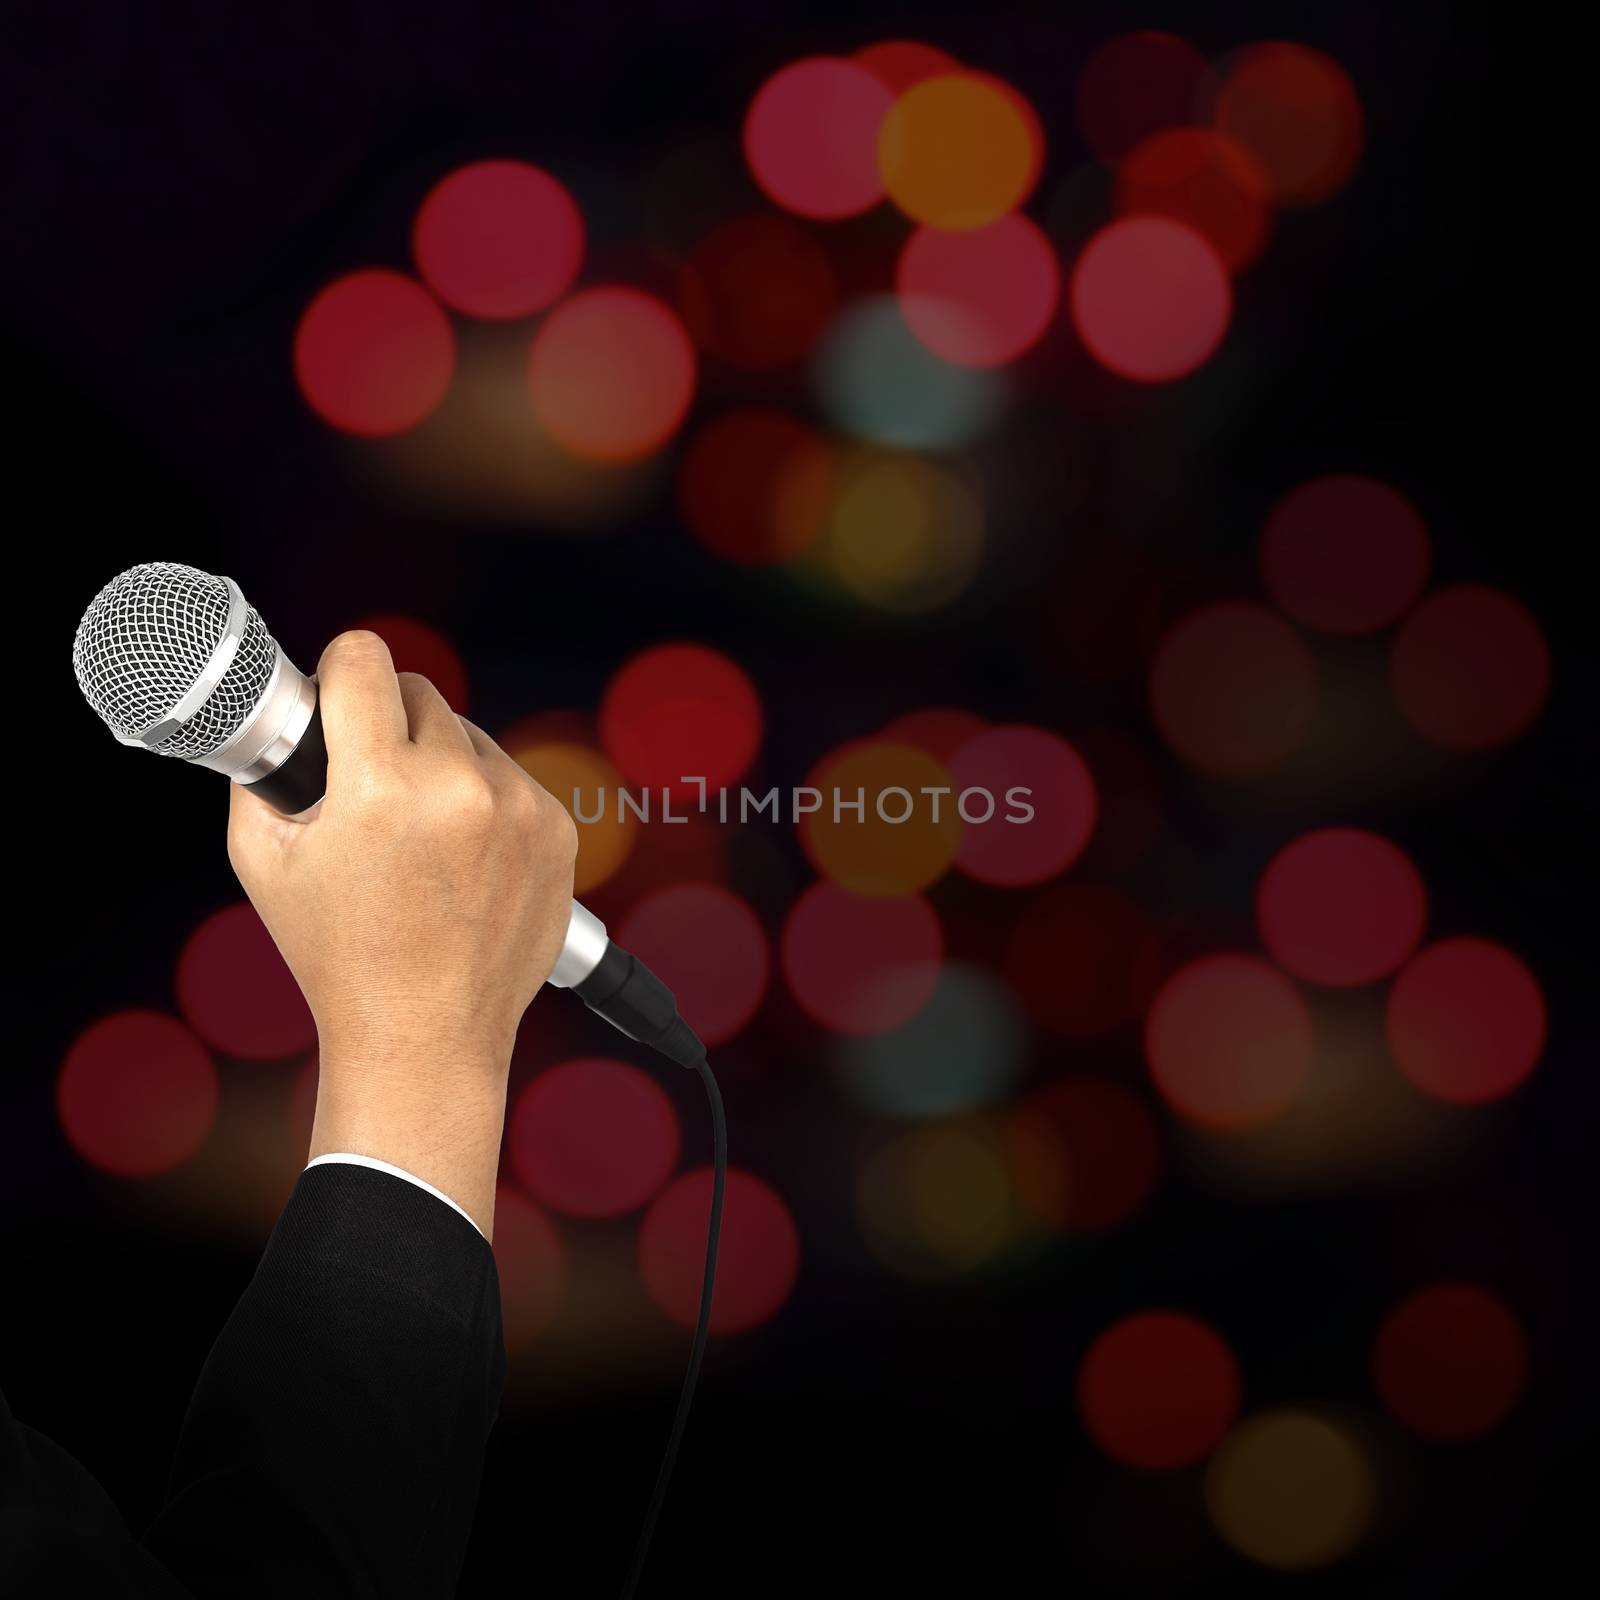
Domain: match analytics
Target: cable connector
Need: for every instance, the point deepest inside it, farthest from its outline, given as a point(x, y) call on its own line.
point(624, 991)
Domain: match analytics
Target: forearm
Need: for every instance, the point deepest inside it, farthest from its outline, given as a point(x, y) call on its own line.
point(439, 1118)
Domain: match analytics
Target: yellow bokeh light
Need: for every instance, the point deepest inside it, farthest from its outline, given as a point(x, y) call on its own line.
point(588, 786)
point(936, 1202)
point(904, 534)
point(957, 152)
point(1289, 1490)
point(867, 853)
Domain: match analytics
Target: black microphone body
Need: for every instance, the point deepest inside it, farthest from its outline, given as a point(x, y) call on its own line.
point(302, 780)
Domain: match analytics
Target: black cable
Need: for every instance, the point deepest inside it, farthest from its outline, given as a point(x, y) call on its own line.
point(623, 990)
point(697, 1351)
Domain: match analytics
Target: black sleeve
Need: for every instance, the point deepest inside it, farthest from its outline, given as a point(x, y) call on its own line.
point(335, 1440)
point(60, 1534)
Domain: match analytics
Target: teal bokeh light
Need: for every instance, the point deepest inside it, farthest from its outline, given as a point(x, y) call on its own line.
point(877, 381)
point(965, 1048)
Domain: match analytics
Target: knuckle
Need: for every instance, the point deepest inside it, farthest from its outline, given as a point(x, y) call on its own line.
point(468, 795)
point(560, 830)
point(525, 796)
point(546, 823)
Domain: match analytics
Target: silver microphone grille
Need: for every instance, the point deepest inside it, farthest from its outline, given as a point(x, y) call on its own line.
point(143, 644)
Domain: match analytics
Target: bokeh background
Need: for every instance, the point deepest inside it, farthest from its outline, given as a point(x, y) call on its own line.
point(1175, 1195)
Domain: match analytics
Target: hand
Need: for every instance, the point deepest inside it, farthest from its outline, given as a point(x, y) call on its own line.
point(420, 907)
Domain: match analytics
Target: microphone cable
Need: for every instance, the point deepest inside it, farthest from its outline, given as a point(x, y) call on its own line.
point(697, 1350)
point(624, 991)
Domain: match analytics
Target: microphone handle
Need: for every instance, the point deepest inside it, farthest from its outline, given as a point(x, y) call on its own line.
point(302, 778)
point(611, 982)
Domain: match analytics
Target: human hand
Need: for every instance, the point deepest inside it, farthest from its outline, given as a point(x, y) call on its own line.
point(420, 907)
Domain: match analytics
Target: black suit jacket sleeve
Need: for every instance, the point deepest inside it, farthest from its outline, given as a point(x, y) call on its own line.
point(335, 1440)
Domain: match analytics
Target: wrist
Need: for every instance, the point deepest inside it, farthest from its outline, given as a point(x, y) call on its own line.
point(416, 1050)
point(440, 1119)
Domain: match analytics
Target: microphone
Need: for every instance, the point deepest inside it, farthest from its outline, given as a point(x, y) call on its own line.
point(177, 661)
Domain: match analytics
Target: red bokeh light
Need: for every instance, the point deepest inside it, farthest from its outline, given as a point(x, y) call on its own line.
point(757, 292)
point(1085, 1154)
point(860, 965)
point(1136, 85)
point(811, 137)
point(938, 731)
point(416, 647)
point(1466, 1020)
point(1063, 800)
point(1299, 113)
point(373, 353)
point(1450, 1361)
point(1229, 1042)
point(532, 1264)
point(612, 373)
point(756, 1266)
point(1158, 1390)
point(1341, 906)
point(1470, 668)
point(982, 296)
point(1150, 299)
point(236, 991)
point(1204, 180)
point(1345, 554)
point(498, 239)
point(670, 853)
point(677, 711)
point(900, 63)
point(137, 1094)
point(1233, 690)
point(706, 945)
point(593, 1138)
point(1084, 959)
point(757, 486)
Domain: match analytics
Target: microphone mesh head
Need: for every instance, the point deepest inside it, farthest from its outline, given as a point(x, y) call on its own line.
point(145, 640)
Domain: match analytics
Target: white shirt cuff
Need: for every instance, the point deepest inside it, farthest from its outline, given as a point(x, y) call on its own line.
point(394, 1172)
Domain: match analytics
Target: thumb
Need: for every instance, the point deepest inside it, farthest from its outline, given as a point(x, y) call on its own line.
point(255, 830)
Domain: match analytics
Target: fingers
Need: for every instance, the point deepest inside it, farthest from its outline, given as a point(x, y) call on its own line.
point(363, 715)
point(432, 723)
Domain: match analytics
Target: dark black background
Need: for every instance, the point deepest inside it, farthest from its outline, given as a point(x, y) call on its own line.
point(175, 187)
